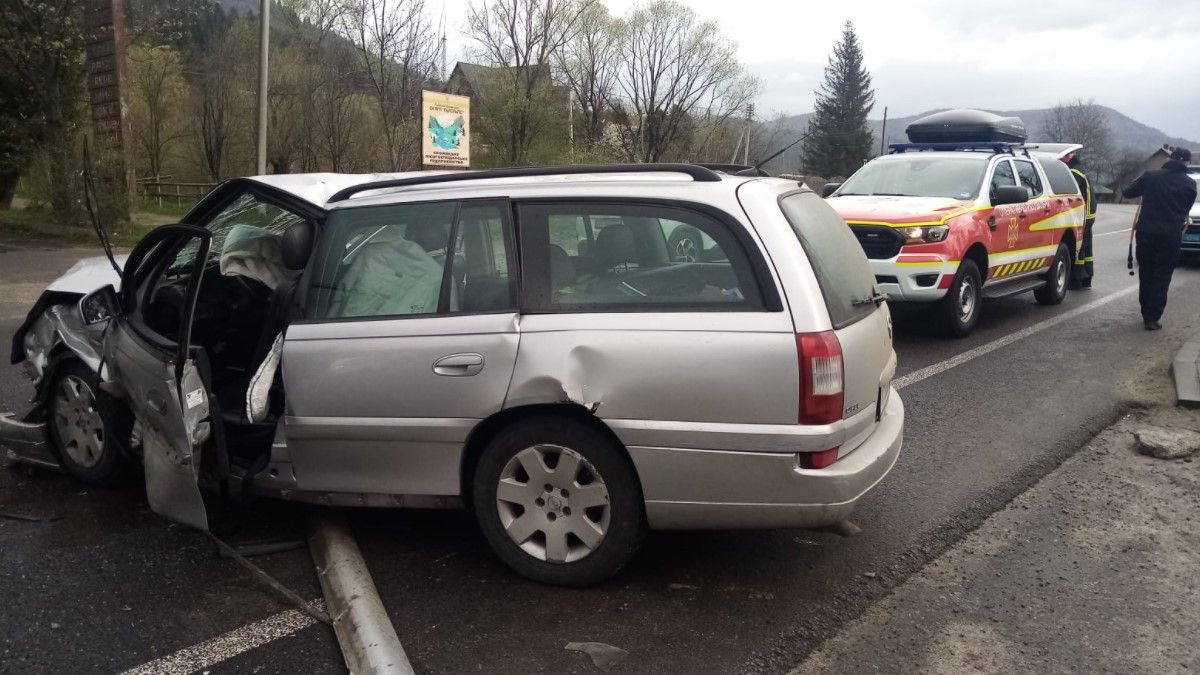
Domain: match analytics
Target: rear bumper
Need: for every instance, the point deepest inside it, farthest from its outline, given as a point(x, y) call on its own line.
point(717, 489)
point(912, 282)
point(26, 442)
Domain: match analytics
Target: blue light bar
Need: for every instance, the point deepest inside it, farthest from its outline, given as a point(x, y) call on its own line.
point(987, 145)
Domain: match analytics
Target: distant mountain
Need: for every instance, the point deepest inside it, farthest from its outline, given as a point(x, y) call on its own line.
point(1126, 132)
point(242, 7)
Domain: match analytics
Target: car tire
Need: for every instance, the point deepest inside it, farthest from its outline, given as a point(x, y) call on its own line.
point(959, 310)
point(88, 431)
point(547, 524)
point(686, 244)
point(1057, 279)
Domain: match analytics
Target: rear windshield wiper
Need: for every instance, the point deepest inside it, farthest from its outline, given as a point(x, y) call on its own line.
point(876, 298)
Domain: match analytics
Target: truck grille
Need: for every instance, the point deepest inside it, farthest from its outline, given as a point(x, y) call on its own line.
point(878, 242)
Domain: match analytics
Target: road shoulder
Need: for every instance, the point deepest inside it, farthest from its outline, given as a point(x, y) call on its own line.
point(1092, 570)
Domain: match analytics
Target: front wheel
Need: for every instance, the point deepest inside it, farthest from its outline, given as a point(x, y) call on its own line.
point(558, 502)
point(959, 310)
point(87, 432)
point(1055, 289)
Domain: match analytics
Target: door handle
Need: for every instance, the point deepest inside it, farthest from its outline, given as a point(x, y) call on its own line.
point(459, 365)
point(156, 402)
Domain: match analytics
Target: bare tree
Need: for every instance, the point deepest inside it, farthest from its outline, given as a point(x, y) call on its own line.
point(158, 88)
point(1086, 123)
point(678, 74)
point(521, 37)
point(588, 63)
point(397, 50)
point(214, 104)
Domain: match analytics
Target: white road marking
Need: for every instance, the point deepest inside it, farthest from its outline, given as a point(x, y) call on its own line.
point(231, 644)
point(1105, 234)
point(972, 354)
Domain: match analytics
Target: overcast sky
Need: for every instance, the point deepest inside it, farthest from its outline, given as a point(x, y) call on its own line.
point(1141, 57)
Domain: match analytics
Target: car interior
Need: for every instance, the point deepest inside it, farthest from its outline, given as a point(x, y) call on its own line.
point(247, 296)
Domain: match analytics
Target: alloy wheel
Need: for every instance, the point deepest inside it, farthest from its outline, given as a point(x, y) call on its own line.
point(685, 250)
point(77, 421)
point(553, 503)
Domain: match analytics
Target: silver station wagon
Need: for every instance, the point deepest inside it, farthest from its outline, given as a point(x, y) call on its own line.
point(528, 343)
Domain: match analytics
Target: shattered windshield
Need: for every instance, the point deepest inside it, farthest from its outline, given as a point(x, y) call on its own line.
point(919, 176)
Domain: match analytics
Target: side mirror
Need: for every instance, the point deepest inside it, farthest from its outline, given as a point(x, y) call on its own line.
point(829, 189)
point(99, 306)
point(297, 245)
point(1010, 194)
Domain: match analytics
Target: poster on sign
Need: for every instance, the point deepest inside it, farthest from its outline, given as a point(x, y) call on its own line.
point(444, 123)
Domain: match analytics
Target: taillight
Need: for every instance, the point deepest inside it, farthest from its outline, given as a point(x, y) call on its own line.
point(821, 377)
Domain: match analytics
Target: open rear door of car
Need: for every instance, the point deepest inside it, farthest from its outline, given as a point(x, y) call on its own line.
point(161, 376)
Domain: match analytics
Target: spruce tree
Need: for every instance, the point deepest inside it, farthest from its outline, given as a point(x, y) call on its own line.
point(840, 140)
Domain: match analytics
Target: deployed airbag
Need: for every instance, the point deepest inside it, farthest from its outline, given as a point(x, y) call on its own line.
point(255, 253)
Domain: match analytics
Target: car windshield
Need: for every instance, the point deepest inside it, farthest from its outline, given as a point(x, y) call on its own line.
point(918, 176)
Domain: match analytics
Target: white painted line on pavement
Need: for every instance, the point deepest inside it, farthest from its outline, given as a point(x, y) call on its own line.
point(1105, 234)
point(235, 642)
point(972, 354)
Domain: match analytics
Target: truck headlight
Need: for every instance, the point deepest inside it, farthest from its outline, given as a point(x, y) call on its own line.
point(925, 235)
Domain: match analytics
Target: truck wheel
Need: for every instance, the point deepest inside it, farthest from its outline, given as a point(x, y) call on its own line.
point(1055, 288)
point(558, 502)
point(959, 310)
point(87, 432)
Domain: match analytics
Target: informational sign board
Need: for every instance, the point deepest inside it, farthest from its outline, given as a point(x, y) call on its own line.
point(445, 125)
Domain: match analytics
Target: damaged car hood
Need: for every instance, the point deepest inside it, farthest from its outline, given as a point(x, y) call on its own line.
point(87, 275)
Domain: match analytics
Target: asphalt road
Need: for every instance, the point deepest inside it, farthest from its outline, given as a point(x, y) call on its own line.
point(110, 586)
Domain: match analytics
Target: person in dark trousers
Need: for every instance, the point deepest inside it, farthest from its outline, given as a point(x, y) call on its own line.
point(1082, 276)
point(1167, 196)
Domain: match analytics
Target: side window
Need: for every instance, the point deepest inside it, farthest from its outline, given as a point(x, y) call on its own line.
point(411, 260)
point(630, 255)
point(1003, 175)
point(1062, 182)
point(1029, 177)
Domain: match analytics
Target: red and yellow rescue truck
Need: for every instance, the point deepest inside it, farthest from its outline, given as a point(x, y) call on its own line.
point(966, 211)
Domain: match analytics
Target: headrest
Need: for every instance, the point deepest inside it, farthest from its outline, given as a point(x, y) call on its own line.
point(615, 245)
point(430, 236)
point(297, 245)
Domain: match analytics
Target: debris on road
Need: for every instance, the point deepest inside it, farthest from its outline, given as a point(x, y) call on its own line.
point(604, 656)
point(1167, 442)
point(31, 517)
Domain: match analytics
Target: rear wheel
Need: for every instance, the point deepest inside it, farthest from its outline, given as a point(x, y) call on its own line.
point(1055, 289)
point(558, 502)
point(86, 432)
point(959, 310)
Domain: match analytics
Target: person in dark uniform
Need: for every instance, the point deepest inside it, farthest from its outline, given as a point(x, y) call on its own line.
point(1167, 196)
point(1082, 277)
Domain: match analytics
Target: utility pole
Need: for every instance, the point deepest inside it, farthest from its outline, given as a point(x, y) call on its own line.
point(263, 79)
point(749, 126)
point(883, 132)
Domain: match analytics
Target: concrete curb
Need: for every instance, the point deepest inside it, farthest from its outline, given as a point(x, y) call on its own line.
point(364, 631)
point(1185, 370)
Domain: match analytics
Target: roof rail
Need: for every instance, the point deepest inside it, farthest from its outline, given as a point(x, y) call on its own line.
point(736, 169)
point(994, 146)
point(699, 174)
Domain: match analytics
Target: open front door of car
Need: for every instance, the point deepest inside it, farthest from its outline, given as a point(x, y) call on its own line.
point(152, 366)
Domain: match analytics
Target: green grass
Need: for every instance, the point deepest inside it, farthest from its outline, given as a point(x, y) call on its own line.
point(35, 224)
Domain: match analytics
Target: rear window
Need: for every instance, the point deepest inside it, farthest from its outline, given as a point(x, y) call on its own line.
point(837, 258)
point(1061, 180)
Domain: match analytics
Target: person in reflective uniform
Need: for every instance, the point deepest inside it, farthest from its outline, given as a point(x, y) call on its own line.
point(1083, 272)
point(1167, 196)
